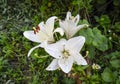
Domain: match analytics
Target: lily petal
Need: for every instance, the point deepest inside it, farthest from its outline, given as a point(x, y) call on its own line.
point(76, 19)
point(79, 59)
point(81, 26)
point(66, 64)
point(30, 51)
point(53, 65)
point(41, 24)
point(68, 15)
point(59, 30)
point(38, 37)
point(31, 36)
point(55, 49)
point(66, 26)
point(50, 23)
point(69, 25)
point(77, 43)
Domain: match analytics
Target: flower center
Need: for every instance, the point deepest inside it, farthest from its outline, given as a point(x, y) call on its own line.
point(66, 54)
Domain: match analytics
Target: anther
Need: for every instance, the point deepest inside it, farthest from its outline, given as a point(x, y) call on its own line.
point(36, 30)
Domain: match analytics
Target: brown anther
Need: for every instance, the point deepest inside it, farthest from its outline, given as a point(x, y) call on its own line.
point(36, 30)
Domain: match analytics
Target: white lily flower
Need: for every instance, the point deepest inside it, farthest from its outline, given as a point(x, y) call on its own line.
point(66, 53)
point(69, 25)
point(44, 32)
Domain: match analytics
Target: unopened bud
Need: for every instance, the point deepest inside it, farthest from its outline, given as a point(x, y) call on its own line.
point(96, 66)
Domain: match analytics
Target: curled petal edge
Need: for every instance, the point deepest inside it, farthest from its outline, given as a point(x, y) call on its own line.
point(59, 30)
point(42, 45)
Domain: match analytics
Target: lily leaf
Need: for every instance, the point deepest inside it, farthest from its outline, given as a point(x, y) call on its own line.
point(107, 75)
point(115, 63)
point(95, 38)
point(99, 41)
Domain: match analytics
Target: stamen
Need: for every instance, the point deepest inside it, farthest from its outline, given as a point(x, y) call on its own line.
point(36, 30)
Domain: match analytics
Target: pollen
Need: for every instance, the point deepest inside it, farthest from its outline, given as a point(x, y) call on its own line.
point(34, 28)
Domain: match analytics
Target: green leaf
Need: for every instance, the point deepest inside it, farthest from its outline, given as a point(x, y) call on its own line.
point(113, 55)
point(117, 26)
point(95, 38)
point(118, 81)
point(99, 41)
point(115, 63)
point(68, 81)
point(84, 21)
point(107, 75)
point(91, 50)
point(101, 1)
point(116, 2)
point(104, 20)
point(88, 35)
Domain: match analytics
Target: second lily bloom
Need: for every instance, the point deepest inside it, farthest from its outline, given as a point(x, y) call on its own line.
point(70, 25)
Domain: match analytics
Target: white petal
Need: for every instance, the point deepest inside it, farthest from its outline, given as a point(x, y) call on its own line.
point(66, 64)
point(76, 19)
point(79, 59)
point(75, 44)
point(44, 44)
point(53, 65)
point(55, 49)
point(41, 24)
point(81, 26)
point(74, 29)
point(31, 36)
point(68, 15)
point(43, 27)
point(50, 23)
point(59, 30)
point(66, 27)
point(30, 51)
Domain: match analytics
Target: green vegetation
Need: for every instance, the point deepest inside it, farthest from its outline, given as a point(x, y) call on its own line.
point(102, 44)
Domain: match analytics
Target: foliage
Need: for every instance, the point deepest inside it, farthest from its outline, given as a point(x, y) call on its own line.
point(102, 41)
